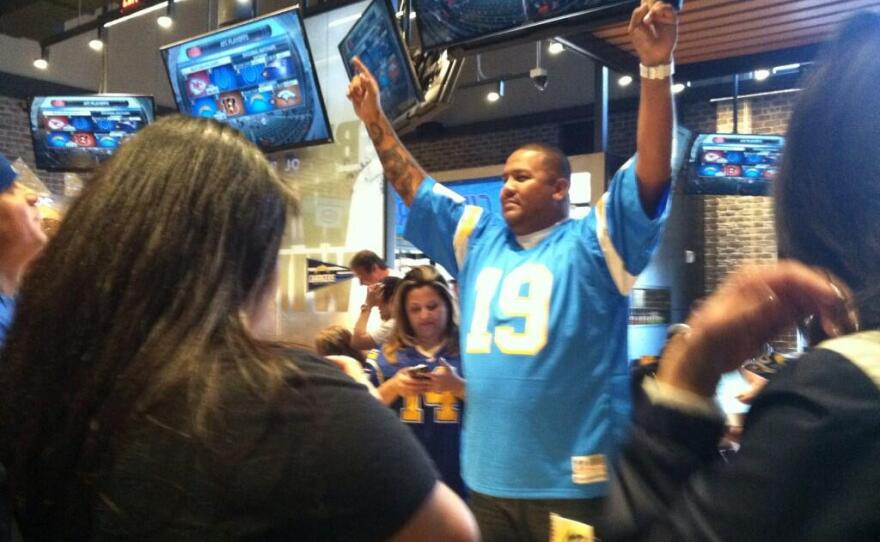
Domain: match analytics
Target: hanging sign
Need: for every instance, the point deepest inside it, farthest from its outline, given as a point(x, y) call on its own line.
point(322, 274)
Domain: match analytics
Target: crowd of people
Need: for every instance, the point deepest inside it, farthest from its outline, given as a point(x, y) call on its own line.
point(140, 403)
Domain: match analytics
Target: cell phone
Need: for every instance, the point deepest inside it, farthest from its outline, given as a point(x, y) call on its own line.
point(419, 371)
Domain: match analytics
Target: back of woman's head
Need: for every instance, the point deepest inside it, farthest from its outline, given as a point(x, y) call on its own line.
point(336, 340)
point(828, 190)
point(142, 296)
point(403, 334)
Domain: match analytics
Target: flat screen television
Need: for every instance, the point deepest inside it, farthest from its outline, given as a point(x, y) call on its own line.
point(452, 23)
point(258, 76)
point(733, 164)
point(76, 133)
point(376, 39)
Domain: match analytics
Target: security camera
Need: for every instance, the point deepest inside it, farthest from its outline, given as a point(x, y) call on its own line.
point(539, 78)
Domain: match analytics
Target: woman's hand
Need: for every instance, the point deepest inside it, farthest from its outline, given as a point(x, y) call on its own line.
point(446, 378)
point(754, 305)
point(408, 383)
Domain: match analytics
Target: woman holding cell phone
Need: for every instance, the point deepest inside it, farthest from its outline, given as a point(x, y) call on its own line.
point(419, 369)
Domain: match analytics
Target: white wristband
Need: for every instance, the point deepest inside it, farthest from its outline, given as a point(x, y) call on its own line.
point(663, 71)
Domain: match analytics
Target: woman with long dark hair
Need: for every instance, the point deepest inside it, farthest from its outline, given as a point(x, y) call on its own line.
point(137, 402)
point(419, 369)
point(807, 467)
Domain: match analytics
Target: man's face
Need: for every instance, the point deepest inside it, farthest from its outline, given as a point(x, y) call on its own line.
point(20, 230)
point(369, 276)
point(531, 195)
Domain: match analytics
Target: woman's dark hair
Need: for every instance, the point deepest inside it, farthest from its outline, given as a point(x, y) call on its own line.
point(828, 189)
point(336, 340)
point(389, 288)
point(403, 335)
point(142, 298)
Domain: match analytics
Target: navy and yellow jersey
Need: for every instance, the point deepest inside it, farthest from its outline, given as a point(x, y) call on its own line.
point(435, 418)
point(543, 336)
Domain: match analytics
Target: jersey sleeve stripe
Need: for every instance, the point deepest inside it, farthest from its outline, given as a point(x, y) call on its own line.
point(622, 279)
point(463, 230)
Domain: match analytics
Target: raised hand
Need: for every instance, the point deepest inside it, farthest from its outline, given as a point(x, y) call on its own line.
point(749, 309)
point(653, 29)
point(363, 92)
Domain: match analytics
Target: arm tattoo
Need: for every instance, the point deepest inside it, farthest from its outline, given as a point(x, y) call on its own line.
point(398, 169)
point(376, 132)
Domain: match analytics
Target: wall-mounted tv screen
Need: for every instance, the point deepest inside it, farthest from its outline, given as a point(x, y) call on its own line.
point(448, 23)
point(376, 39)
point(733, 164)
point(258, 76)
point(76, 133)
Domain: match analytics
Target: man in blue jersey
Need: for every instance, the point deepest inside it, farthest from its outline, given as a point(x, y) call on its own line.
point(543, 302)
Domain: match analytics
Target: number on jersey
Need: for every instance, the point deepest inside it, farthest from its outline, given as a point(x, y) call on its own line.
point(445, 407)
point(533, 307)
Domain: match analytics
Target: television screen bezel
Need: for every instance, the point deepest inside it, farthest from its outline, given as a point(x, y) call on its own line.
point(32, 99)
point(742, 186)
point(401, 48)
point(577, 21)
point(163, 52)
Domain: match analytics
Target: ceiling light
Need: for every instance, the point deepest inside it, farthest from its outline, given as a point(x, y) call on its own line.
point(760, 75)
point(555, 48)
point(97, 43)
point(677, 87)
point(786, 68)
point(165, 21)
point(496, 93)
point(625, 80)
point(42, 63)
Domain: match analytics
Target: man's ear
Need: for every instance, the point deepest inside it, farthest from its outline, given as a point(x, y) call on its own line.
point(560, 188)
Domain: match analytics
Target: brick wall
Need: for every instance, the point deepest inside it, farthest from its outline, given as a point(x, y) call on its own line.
point(739, 230)
point(15, 140)
point(483, 148)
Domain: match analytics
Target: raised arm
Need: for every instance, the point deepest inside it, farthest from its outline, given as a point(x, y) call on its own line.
point(401, 169)
point(653, 29)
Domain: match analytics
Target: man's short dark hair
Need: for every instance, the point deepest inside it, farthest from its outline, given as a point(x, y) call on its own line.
point(554, 158)
point(367, 260)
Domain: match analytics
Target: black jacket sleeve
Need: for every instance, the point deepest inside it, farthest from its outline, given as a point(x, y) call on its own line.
point(671, 484)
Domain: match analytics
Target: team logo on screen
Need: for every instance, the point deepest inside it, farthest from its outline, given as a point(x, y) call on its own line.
point(288, 95)
point(232, 104)
point(197, 84)
point(84, 139)
point(56, 123)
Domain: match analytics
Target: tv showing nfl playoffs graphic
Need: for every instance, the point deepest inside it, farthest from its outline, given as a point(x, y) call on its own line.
point(258, 76)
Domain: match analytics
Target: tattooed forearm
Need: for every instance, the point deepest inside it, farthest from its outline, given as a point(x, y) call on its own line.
point(401, 169)
point(376, 132)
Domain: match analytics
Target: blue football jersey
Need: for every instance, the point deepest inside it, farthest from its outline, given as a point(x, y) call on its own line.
point(543, 337)
point(435, 418)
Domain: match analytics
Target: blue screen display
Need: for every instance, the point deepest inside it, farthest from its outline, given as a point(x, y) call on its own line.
point(733, 164)
point(443, 23)
point(483, 192)
point(76, 133)
point(257, 76)
point(376, 40)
